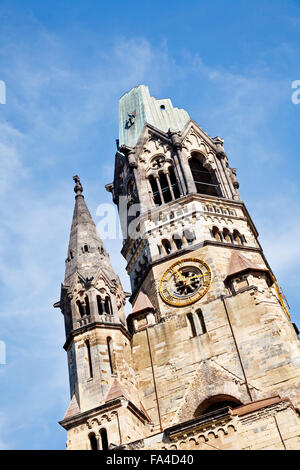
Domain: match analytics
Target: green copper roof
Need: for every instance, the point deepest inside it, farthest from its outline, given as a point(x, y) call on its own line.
point(137, 108)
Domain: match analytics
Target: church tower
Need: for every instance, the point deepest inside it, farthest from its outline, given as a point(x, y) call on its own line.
point(104, 400)
point(209, 357)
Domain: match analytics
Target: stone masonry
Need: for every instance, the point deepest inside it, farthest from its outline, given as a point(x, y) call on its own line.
point(209, 357)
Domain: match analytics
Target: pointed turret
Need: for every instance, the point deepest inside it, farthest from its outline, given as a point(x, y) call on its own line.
point(91, 292)
point(239, 264)
point(86, 253)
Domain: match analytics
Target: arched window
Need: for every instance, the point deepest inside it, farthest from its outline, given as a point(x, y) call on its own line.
point(104, 439)
point(100, 305)
point(178, 242)
point(189, 236)
point(201, 321)
point(167, 246)
point(226, 235)
point(165, 187)
point(205, 181)
point(107, 306)
point(215, 403)
point(197, 323)
point(88, 347)
point(155, 191)
point(216, 234)
point(237, 237)
point(87, 305)
point(93, 441)
point(80, 308)
point(192, 324)
point(163, 182)
point(174, 183)
point(111, 355)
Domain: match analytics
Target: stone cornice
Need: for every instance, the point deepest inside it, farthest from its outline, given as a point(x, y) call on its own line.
point(109, 406)
point(95, 325)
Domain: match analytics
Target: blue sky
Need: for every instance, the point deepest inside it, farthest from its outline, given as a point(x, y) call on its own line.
point(66, 64)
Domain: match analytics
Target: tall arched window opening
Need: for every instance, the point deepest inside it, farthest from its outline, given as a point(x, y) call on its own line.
point(165, 187)
point(202, 322)
point(111, 355)
point(237, 237)
point(163, 181)
point(100, 305)
point(227, 235)
point(155, 191)
point(215, 403)
point(174, 183)
point(192, 324)
point(93, 441)
point(205, 181)
point(88, 347)
point(80, 308)
point(178, 242)
point(104, 439)
point(87, 305)
point(107, 306)
point(216, 234)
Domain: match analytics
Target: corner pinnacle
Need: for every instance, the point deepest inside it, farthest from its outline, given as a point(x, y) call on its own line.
point(78, 186)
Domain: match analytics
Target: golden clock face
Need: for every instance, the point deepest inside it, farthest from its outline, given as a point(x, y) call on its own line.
point(185, 282)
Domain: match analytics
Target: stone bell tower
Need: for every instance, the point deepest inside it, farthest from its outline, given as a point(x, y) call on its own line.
point(208, 358)
point(210, 328)
point(104, 407)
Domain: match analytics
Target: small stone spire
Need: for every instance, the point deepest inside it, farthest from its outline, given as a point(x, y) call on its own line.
point(86, 253)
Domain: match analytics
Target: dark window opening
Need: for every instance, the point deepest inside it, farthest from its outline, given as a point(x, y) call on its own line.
point(155, 191)
point(87, 305)
point(104, 439)
point(86, 248)
point(216, 234)
point(167, 246)
point(192, 324)
point(99, 305)
point(165, 189)
point(202, 322)
point(174, 183)
point(111, 355)
point(93, 442)
point(178, 243)
point(205, 181)
point(227, 236)
point(216, 403)
point(162, 106)
point(237, 237)
point(107, 306)
point(80, 308)
point(87, 343)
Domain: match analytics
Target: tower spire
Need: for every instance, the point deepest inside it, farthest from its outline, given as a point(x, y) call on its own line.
point(86, 253)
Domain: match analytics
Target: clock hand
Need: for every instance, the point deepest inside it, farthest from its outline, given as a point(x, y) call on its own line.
point(194, 277)
point(180, 275)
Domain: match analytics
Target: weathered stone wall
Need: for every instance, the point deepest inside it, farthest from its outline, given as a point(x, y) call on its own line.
point(275, 427)
point(190, 369)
